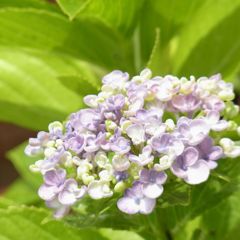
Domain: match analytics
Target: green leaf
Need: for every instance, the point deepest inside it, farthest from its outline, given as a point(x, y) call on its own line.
point(204, 196)
point(20, 192)
point(31, 93)
point(209, 42)
point(155, 57)
point(176, 12)
point(4, 202)
point(169, 16)
point(87, 39)
point(159, 58)
point(72, 7)
point(121, 15)
point(175, 193)
point(79, 84)
point(119, 234)
point(22, 162)
point(44, 5)
point(22, 223)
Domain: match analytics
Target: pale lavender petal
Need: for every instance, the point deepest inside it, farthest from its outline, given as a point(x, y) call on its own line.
point(144, 175)
point(214, 103)
point(147, 205)
point(168, 144)
point(186, 103)
point(197, 173)
point(213, 117)
point(70, 193)
point(76, 143)
point(137, 133)
point(91, 144)
point(88, 118)
point(190, 156)
point(120, 163)
point(128, 205)
point(215, 154)
point(66, 198)
point(220, 126)
point(199, 130)
point(55, 177)
point(47, 192)
point(177, 168)
point(61, 212)
point(99, 189)
point(115, 102)
point(161, 177)
point(121, 146)
point(135, 191)
point(152, 190)
point(115, 77)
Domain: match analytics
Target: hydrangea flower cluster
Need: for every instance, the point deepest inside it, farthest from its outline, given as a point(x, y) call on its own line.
point(134, 133)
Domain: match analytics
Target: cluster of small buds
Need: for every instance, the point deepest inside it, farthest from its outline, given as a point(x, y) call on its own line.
point(134, 133)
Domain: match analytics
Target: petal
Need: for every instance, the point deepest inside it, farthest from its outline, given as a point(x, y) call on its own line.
point(147, 205)
point(55, 177)
point(220, 126)
point(54, 203)
point(155, 127)
point(186, 103)
point(121, 146)
point(190, 156)
point(134, 158)
point(120, 163)
point(212, 164)
point(137, 133)
point(71, 186)
point(128, 205)
point(197, 173)
point(76, 143)
point(177, 170)
point(215, 154)
point(32, 150)
point(61, 212)
point(152, 190)
point(161, 177)
point(177, 147)
point(47, 192)
point(199, 130)
point(213, 117)
point(66, 197)
point(99, 189)
point(115, 77)
point(91, 100)
point(206, 145)
point(144, 175)
point(136, 190)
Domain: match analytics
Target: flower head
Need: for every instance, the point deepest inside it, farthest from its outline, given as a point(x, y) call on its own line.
point(131, 132)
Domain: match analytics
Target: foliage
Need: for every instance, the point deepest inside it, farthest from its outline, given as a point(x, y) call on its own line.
point(53, 53)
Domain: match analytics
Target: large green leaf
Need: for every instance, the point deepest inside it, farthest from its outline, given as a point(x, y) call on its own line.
point(209, 43)
point(169, 16)
point(23, 223)
point(222, 184)
point(49, 31)
point(21, 193)
point(176, 12)
point(72, 7)
point(222, 222)
point(44, 5)
point(22, 162)
point(121, 15)
point(32, 94)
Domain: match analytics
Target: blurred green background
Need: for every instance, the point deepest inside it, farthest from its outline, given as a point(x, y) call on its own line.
point(52, 53)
